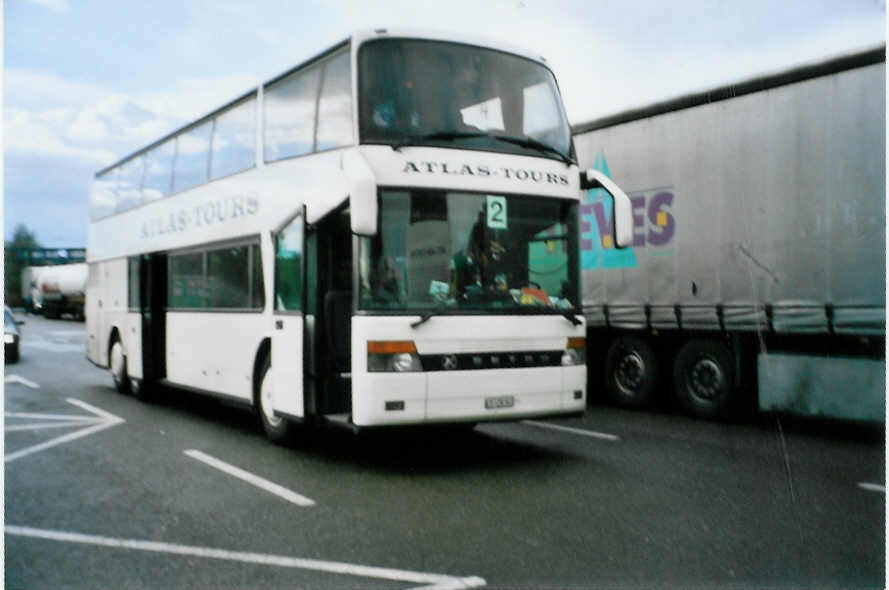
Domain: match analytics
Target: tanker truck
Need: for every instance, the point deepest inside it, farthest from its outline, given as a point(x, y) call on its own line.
point(57, 290)
point(756, 275)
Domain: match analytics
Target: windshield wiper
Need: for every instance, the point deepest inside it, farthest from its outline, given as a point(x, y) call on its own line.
point(534, 144)
point(571, 317)
point(424, 317)
point(427, 315)
point(437, 135)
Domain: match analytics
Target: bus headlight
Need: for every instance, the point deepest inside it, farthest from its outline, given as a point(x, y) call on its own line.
point(392, 356)
point(575, 352)
point(405, 362)
point(8, 339)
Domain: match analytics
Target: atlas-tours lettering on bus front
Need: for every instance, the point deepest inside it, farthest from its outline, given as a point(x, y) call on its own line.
point(485, 171)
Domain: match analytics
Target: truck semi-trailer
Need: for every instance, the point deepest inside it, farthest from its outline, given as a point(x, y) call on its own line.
point(56, 290)
point(756, 276)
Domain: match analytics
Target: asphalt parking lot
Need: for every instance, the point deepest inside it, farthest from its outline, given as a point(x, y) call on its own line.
point(103, 490)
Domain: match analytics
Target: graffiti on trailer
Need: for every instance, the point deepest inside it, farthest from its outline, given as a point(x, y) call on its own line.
point(653, 224)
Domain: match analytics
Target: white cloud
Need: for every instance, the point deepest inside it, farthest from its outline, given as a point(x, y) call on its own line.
point(46, 115)
point(38, 134)
point(42, 90)
point(90, 126)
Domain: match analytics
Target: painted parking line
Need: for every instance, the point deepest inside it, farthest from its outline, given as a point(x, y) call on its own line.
point(100, 420)
point(579, 431)
point(255, 480)
point(45, 426)
point(429, 581)
point(872, 487)
point(22, 380)
point(65, 417)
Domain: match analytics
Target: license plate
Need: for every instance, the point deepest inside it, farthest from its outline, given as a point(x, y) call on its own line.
point(503, 401)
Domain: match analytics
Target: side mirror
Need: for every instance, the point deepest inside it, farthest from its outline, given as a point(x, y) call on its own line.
point(623, 208)
point(362, 188)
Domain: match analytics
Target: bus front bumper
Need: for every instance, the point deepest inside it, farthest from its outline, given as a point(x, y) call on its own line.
point(467, 396)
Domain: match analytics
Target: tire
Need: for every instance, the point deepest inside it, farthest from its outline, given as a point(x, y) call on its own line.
point(117, 365)
point(704, 378)
point(630, 372)
point(146, 392)
point(13, 356)
point(279, 430)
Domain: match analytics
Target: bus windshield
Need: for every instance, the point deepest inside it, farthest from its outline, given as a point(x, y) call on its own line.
point(415, 92)
point(442, 250)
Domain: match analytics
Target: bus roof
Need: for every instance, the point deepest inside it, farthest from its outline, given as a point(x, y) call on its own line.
point(356, 39)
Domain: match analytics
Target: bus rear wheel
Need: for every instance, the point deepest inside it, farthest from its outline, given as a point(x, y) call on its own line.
point(630, 372)
point(279, 430)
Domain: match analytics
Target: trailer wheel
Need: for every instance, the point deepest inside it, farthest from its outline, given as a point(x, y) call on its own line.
point(630, 372)
point(117, 364)
point(704, 378)
point(279, 430)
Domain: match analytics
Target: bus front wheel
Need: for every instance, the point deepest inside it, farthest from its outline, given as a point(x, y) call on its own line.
point(277, 429)
point(117, 363)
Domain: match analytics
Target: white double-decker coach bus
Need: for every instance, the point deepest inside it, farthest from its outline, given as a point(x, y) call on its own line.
point(385, 234)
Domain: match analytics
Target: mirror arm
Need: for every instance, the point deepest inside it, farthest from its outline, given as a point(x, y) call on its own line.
point(623, 207)
point(361, 192)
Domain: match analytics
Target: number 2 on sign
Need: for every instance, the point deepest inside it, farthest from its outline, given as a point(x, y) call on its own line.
point(496, 212)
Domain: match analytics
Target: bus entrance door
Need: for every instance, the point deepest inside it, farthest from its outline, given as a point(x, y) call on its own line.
point(153, 302)
point(288, 329)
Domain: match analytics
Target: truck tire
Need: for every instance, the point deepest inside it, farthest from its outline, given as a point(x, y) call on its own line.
point(630, 372)
point(704, 378)
point(279, 430)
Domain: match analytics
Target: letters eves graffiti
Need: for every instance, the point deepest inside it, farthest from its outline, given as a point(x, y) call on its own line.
point(203, 214)
point(653, 225)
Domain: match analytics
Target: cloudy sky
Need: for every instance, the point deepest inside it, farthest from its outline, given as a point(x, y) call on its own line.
point(86, 82)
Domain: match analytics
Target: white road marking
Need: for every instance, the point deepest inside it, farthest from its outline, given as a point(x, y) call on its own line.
point(66, 417)
point(100, 421)
point(255, 480)
point(872, 487)
point(590, 433)
point(22, 380)
point(45, 426)
point(93, 409)
point(436, 581)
